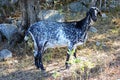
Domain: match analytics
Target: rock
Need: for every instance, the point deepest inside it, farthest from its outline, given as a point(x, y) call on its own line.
point(98, 43)
point(7, 2)
point(19, 23)
point(93, 29)
point(3, 2)
point(8, 30)
point(104, 15)
point(13, 1)
point(5, 54)
point(51, 15)
point(49, 1)
point(9, 20)
point(86, 1)
point(114, 3)
point(0, 37)
point(76, 7)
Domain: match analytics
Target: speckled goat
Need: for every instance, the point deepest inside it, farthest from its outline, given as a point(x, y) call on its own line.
point(47, 34)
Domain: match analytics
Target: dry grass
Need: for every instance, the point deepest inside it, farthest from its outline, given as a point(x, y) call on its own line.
point(100, 62)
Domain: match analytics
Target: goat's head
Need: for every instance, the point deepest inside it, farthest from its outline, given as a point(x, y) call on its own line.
point(94, 12)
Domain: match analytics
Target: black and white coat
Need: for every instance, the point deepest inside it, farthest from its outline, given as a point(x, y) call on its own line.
point(47, 34)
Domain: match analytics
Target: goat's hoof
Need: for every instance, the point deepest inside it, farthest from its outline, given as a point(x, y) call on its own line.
point(44, 73)
point(43, 70)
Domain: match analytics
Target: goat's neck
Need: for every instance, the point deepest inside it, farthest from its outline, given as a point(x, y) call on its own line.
point(88, 20)
point(84, 24)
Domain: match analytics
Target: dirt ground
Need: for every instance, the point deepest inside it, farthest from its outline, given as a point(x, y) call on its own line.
point(99, 58)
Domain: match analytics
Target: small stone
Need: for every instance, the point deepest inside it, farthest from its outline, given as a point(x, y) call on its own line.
point(15, 61)
point(104, 15)
point(5, 54)
point(93, 29)
point(98, 43)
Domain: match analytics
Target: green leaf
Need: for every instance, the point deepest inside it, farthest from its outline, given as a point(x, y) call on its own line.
point(55, 75)
point(71, 52)
point(77, 60)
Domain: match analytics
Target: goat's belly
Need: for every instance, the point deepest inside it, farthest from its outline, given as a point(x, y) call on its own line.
point(50, 45)
point(77, 44)
point(80, 42)
point(56, 44)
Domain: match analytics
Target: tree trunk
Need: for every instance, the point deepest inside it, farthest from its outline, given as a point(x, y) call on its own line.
point(93, 3)
point(30, 10)
point(23, 8)
point(100, 6)
point(105, 4)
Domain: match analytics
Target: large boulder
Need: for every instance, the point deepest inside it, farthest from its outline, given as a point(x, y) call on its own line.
point(7, 30)
point(115, 3)
point(76, 7)
point(0, 37)
point(51, 15)
point(7, 2)
point(5, 54)
point(49, 1)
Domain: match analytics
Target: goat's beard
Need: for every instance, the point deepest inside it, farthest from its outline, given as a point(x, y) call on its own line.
point(92, 22)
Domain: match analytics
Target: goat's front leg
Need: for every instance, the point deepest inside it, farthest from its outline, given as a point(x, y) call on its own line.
point(67, 61)
point(71, 52)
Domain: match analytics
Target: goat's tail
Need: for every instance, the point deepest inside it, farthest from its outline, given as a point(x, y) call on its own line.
point(26, 36)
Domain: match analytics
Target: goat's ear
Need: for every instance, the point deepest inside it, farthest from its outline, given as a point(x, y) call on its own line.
point(87, 13)
point(90, 12)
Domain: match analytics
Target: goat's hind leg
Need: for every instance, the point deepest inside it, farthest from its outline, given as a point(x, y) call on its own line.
point(40, 54)
point(40, 62)
point(38, 59)
point(37, 62)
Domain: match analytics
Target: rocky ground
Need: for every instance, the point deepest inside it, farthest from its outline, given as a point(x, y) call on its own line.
point(98, 59)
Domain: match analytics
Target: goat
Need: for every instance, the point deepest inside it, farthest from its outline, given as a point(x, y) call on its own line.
point(48, 34)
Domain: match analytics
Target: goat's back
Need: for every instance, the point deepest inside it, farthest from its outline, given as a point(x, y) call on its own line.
point(50, 30)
